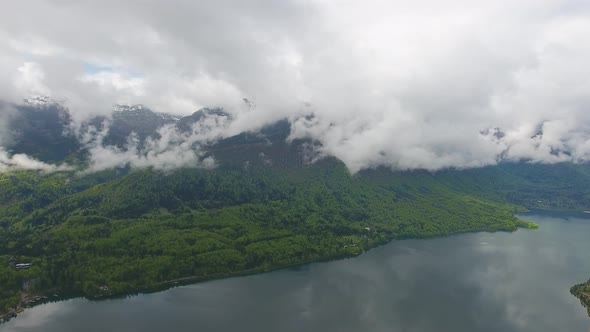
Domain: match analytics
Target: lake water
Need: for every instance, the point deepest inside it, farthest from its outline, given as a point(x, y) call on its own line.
point(473, 282)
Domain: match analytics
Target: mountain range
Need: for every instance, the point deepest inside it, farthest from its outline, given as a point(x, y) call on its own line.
point(45, 131)
point(267, 202)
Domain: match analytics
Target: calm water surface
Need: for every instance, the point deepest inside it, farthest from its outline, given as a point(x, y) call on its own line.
point(473, 282)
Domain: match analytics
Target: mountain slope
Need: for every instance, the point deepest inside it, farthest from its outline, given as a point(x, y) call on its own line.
point(128, 232)
point(42, 131)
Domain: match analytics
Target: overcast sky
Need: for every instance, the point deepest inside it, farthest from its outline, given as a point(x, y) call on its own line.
point(405, 84)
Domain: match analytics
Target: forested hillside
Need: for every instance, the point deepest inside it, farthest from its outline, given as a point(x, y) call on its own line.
point(125, 231)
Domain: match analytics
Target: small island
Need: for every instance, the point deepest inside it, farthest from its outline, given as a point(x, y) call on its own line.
point(582, 292)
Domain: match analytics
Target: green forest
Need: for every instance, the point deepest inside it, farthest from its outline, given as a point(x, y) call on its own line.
point(582, 292)
point(123, 231)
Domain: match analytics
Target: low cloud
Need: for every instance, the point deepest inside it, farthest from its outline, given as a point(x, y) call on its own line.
point(171, 147)
point(390, 83)
point(23, 162)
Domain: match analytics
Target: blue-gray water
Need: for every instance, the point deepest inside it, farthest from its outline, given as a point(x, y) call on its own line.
point(473, 282)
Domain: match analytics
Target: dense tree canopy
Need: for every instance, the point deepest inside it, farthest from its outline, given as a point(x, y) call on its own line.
point(121, 231)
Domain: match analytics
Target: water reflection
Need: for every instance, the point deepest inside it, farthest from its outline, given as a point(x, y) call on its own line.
point(472, 282)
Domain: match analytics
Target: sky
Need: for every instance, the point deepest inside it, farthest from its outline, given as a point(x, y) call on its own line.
point(425, 84)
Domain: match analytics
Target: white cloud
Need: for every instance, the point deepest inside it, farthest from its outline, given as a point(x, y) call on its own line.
point(109, 80)
point(29, 80)
point(393, 83)
point(173, 148)
point(22, 161)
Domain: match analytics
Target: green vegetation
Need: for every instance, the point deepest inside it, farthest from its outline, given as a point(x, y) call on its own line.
point(564, 186)
point(582, 292)
point(120, 232)
point(528, 224)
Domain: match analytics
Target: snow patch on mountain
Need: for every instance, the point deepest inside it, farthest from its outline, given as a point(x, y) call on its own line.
point(40, 101)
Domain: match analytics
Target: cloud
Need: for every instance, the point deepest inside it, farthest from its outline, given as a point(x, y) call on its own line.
point(391, 83)
point(116, 81)
point(24, 162)
point(30, 79)
point(171, 147)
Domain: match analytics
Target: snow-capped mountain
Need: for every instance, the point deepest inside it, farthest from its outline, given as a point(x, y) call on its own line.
point(39, 101)
point(44, 131)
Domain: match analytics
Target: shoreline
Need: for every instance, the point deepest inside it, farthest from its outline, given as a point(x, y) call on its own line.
point(63, 295)
point(44, 297)
point(28, 300)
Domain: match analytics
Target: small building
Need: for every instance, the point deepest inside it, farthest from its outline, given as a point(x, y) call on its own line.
point(21, 266)
point(12, 262)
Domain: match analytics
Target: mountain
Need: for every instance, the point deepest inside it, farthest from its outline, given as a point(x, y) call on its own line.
point(264, 206)
point(41, 129)
point(127, 120)
point(186, 124)
point(45, 132)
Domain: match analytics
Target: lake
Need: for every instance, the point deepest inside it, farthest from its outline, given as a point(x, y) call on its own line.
point(472, 282)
